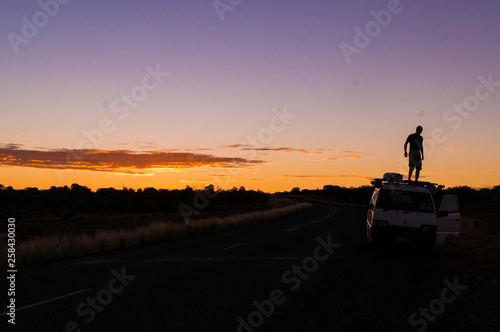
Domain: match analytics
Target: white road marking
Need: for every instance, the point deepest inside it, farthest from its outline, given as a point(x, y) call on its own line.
point(312, 222)
point(47, 301)
point(236, 245)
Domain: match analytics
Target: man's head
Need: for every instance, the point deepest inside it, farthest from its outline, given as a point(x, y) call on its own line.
point(419, 130)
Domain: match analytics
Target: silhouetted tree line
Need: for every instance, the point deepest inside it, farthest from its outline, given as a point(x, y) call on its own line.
point(65, 202)
point(487, 198)
point(475, 198)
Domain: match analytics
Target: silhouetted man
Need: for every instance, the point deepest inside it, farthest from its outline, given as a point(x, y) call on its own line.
point(416, 142)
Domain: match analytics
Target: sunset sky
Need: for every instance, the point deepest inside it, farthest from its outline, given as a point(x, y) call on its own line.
point(268, 95)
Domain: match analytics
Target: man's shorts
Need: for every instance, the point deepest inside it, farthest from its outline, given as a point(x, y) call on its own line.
point(415, 161)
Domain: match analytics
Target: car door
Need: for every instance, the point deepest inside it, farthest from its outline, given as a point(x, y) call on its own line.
point(448, 221)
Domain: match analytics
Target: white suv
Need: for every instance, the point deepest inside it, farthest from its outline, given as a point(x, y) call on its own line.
point(404, 212)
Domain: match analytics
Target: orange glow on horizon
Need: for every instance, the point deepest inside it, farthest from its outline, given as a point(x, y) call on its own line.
point(270, 170)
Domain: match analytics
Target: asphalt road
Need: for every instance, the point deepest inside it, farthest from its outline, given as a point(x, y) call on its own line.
point(247, 279)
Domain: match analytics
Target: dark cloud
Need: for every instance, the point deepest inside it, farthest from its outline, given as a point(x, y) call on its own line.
point(281, 149)
point(10, 146)
point(352, 157)
point(121, 161)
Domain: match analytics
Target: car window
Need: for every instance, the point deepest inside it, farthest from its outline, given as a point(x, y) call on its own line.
point(405, 200)
point(450, 204)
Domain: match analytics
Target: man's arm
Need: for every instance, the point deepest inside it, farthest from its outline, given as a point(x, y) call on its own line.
point(422, 149)
point(406, 144)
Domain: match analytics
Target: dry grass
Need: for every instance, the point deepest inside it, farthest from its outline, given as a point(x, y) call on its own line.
point(64, 246)
point(476, 253)
point(476, 240)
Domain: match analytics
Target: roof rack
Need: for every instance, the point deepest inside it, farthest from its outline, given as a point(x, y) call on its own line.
point(419, 183)
point(396, 178)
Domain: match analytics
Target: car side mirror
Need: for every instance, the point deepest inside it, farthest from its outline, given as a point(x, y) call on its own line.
point(442, 214)
point(369, 206)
